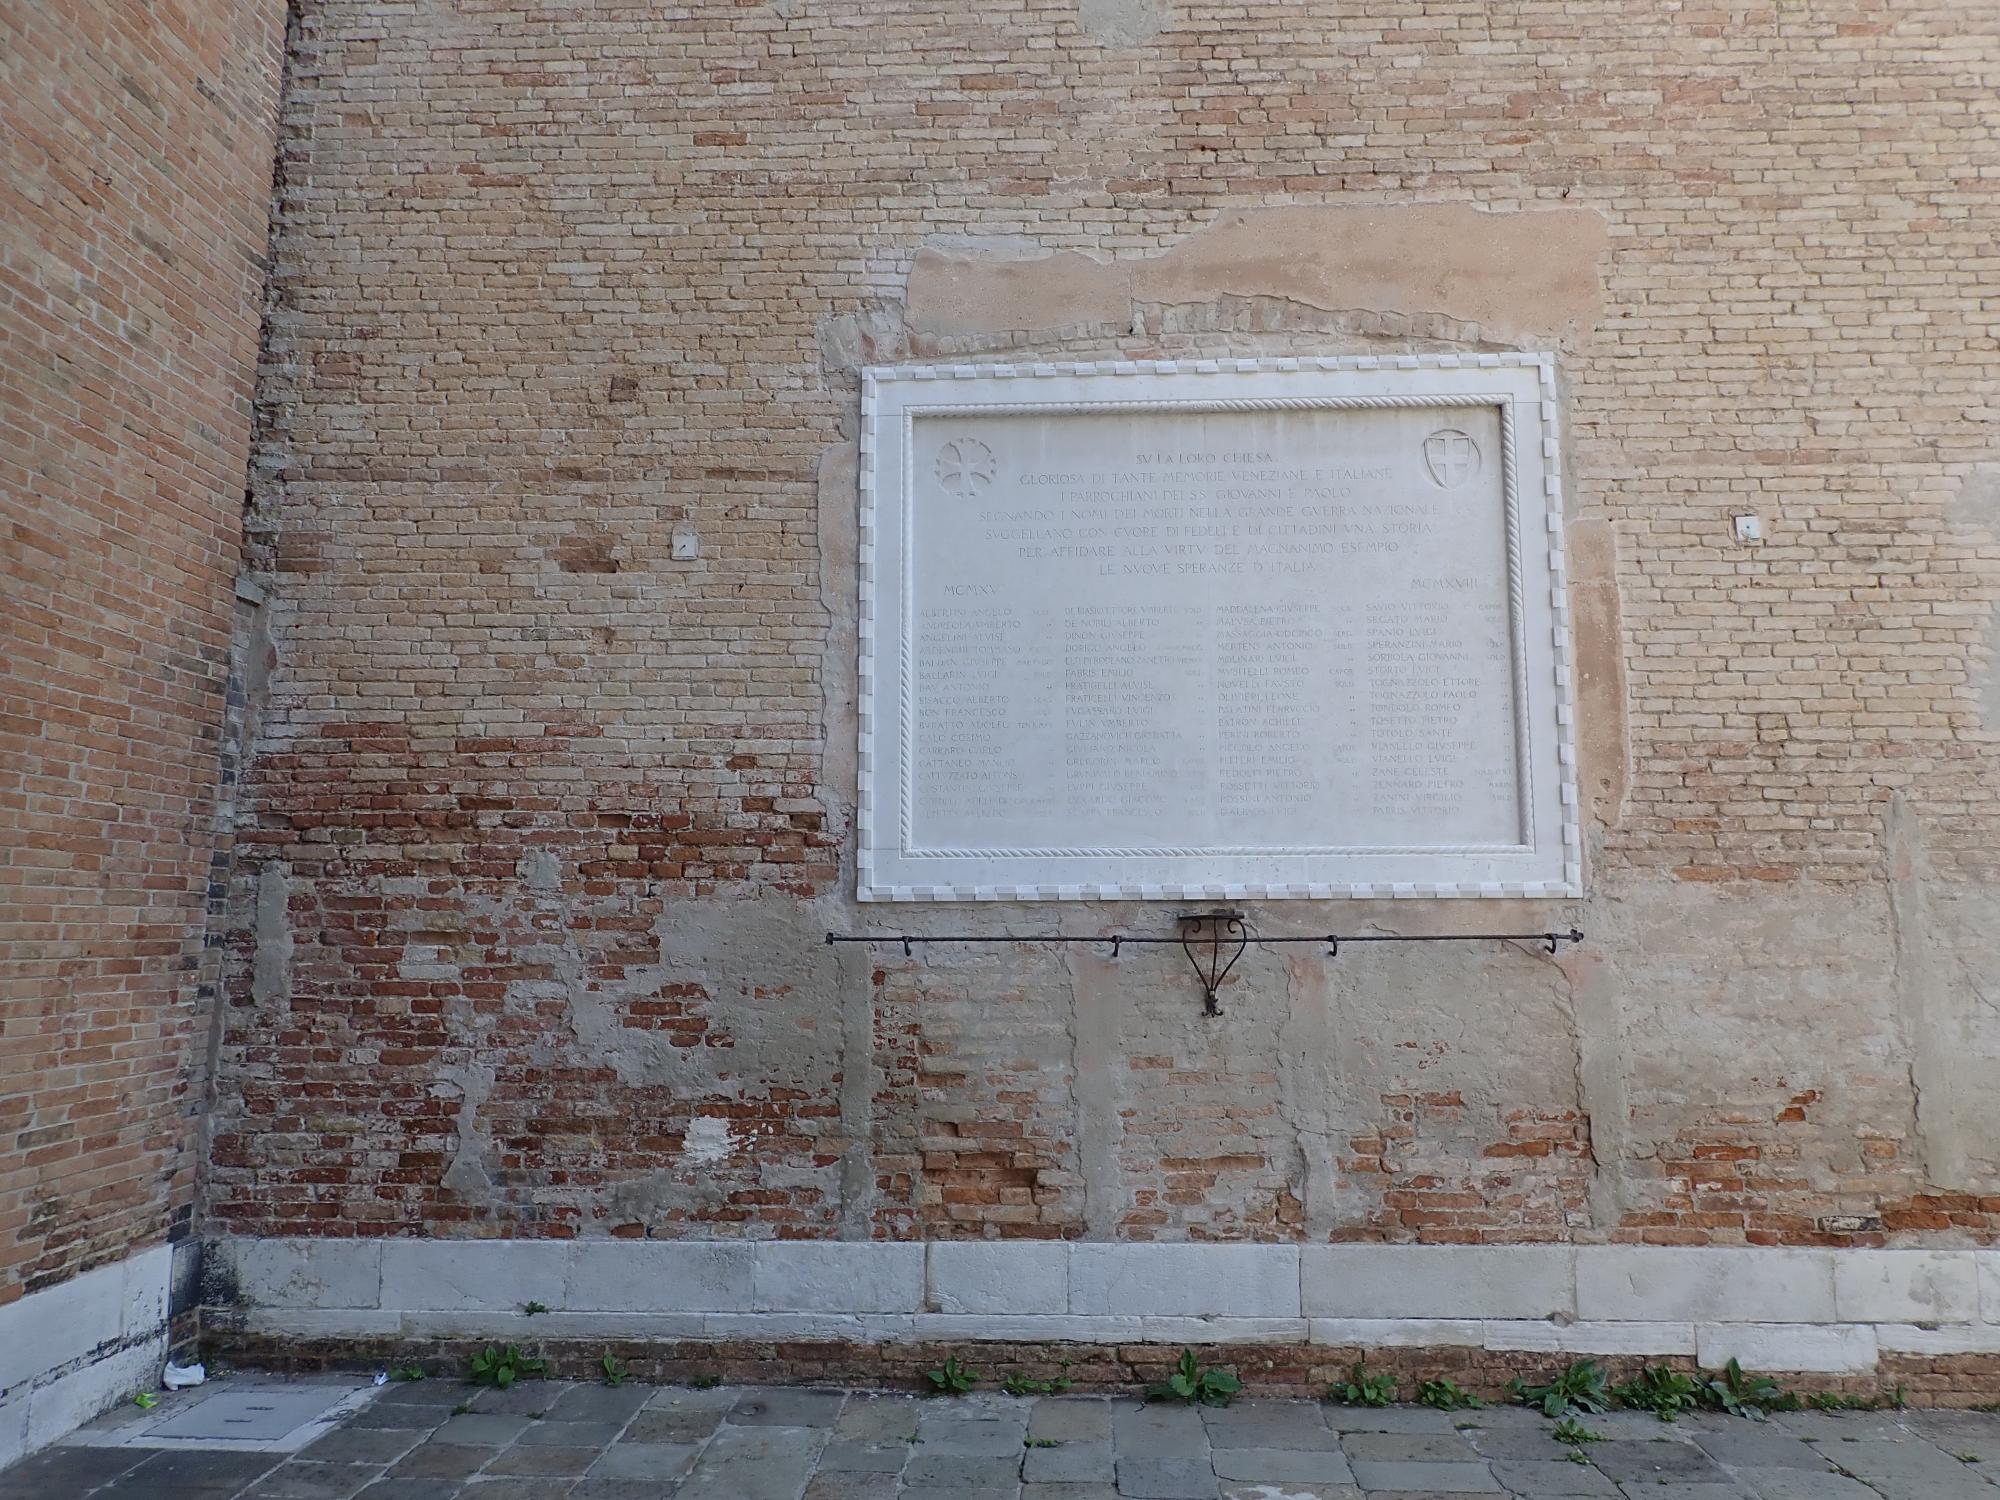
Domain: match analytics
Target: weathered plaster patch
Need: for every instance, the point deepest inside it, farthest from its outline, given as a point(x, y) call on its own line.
point(1986, 673)
point(1119, 23)
point(965, 289)
point(466, 1174)
point(859, 1075)
point(1924, 1001)
point(271, 971)
point(1603, 741)
point(706, 1141)
point(1314, 1092)
point(838, 514)
point(1965, 916)
point(1532, 274)
point(838, 519)
point(1097, 992)
point(1598, 1022)
point(1520, 274)
point(1976, 508)
point(1778, 1010)
point(848, 341)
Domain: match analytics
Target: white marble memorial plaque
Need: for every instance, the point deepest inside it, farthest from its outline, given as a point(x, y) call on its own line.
point(1215, 628)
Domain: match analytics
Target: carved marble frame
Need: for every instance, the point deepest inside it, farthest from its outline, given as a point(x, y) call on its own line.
point(1547, 865)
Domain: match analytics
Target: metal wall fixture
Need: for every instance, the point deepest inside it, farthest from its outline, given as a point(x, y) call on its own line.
point(1224, 935)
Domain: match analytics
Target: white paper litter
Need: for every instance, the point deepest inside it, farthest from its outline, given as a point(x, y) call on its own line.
point(179, 1377)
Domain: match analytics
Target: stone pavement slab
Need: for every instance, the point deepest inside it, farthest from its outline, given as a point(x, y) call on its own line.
point(654, 1461)
point(975, 1439)
point(672, 1425)
point(788, 1408)
point(414, 1489)
point(1911, 1469)
point(544, 1461)
point(1537, 1477)
point(1160, 1431)
point(1827, 1427)
point(191, 1475)
point(1645, 1427)
point(739, 1482)
point(403, 1416)
point(1963, 1434)
point(445, 1393)
point(477, 1429)
point(438, 1459)
point(530, 1398)
point(1408, 1447)
point(1654, 1461)
point(1167, 1478)
point(363, 1445)
point(849, 1485)
point(878, 1418)
point(1426, 1478)
point(970, 1471)
point(1389, 1419)
point(1070, 1463)
point(694, 1397)
point(1282, 1465)
point(846, 1455)
point(616, 1489)
point(1071, 1419)
point(1802, 1484)
point(517, 1489)
point(307, 1480)
point(570, 1434)
point(1760, 1445)
point(754, 1463)
point(1517, 1444)
point(636, 1443)
point(598, 1403)
point(1270, 1424)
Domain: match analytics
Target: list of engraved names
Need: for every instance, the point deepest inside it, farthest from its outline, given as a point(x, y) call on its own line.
point(1177, 630)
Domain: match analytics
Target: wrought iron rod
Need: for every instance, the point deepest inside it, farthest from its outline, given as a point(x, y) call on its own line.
point(1574, 935)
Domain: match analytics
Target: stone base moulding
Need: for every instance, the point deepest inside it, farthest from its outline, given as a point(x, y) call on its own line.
point(74, 1349)
point(1834, 1312)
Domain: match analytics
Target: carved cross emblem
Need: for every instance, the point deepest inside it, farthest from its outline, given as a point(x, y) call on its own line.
point(965, 466)
point(1450, 458)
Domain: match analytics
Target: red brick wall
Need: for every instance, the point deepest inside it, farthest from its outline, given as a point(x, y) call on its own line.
point(135, 169)
point(546, 825)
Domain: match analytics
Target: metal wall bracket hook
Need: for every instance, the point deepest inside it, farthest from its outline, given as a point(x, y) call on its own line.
point(1220, 932)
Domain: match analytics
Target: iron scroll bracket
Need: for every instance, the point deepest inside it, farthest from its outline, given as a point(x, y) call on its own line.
point(1219, 930)
point(1213, 942)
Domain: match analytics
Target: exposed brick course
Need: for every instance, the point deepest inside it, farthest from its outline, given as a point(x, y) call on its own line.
point(1267, 1370)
